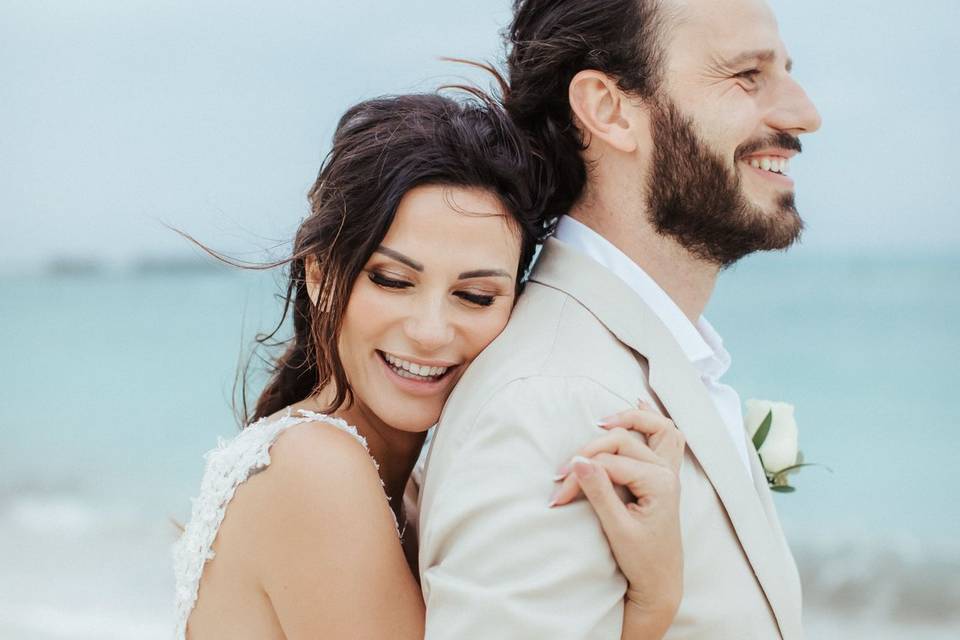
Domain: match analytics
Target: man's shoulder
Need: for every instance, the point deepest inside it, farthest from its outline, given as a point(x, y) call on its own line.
point(554, 349)
point(552, 335)
point(532, 399)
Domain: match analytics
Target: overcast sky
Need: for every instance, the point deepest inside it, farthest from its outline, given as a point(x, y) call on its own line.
point(214, 115)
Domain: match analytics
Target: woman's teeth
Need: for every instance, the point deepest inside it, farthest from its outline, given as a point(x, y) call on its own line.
point(412, 370)
point(771, 163)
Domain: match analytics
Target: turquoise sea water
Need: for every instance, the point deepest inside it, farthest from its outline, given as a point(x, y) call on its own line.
point(114, 385)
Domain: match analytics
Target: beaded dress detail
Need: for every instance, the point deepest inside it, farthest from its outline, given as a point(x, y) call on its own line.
point(230, 464)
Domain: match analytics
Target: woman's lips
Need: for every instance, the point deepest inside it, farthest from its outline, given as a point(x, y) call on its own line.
point(421, 386)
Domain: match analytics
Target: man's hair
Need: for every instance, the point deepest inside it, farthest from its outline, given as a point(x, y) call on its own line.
point(549, 42)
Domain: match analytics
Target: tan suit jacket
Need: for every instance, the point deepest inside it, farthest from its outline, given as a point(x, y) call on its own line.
point(497, 563)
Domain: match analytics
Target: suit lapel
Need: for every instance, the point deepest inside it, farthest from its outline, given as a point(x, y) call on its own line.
point(766, 499)
point(678, 386)
point(760, 484)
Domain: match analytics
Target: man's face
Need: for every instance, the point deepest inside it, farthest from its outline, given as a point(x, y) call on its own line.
point(724, 127)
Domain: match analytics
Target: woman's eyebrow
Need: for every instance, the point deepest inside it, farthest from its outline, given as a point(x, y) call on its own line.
point(399, 257)
point(466, 275)
point(484, 273)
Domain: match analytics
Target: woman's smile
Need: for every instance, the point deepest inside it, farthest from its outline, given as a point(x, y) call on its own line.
point(417, 377)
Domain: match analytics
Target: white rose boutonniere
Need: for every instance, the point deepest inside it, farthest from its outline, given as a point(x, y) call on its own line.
point(775, 436)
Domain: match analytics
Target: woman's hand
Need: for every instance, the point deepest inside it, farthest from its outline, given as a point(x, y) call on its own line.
point(642, 451)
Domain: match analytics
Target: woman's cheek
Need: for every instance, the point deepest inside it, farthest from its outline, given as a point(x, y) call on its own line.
point(493, 326)
point(371, 299)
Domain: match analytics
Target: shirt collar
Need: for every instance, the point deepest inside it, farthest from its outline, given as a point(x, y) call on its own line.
point(700, 343)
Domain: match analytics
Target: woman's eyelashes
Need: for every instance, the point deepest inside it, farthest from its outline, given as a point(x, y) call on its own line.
point(390, 283)
point(479, 299)
point(472, 298)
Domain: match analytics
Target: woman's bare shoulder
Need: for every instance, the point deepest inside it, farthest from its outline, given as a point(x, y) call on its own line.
point(316, 467)
point(319, 449)
point(320, 491)
point(317, 533)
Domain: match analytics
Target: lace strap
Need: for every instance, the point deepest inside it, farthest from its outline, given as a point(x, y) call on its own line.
point(228, 466)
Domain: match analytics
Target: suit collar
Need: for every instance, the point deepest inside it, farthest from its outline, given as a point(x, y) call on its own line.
point(678, 386)
point(698, 340)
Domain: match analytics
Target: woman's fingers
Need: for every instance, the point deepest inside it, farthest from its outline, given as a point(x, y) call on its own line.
point(626, 458)
point(663, 437)
point(592, 479)
point(641, 478)
point(622, 442)
point(568, 490)
point(625, 525)
point(643, 418)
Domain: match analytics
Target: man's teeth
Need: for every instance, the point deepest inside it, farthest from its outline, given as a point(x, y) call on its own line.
point(771, 163)
point(417, 370)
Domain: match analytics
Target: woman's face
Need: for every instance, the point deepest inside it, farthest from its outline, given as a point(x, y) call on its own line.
point(436, 292)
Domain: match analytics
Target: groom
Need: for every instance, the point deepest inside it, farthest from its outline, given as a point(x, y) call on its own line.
point(670, 126)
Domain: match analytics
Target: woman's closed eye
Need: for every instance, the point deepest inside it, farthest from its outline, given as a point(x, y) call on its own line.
point(478, 299)
point(390, 283)
point(471, 298)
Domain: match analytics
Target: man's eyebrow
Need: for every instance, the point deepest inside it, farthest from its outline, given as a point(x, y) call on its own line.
point(399, 257)
point(759, 55)
point(484, 273)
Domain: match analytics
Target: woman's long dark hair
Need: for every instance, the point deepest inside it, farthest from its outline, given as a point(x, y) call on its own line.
point(382, 149)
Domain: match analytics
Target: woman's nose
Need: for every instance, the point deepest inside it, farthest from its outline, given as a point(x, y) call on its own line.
point(429, 327)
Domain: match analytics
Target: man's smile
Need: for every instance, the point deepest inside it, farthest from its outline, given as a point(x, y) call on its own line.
point(772, 164)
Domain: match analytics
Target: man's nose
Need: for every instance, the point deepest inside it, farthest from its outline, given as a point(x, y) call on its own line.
point(793, 110)
point(429, 326)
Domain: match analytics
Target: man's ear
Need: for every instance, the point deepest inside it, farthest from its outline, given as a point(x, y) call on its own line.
point(311, 272)
point(602, 110)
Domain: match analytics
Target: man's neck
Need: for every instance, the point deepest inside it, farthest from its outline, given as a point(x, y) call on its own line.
point(688, 280)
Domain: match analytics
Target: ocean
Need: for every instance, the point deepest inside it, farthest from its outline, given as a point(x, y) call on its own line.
point(115, 382)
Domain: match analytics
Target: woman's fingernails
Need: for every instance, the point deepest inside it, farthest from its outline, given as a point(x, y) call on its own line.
point(583, 467)
point(560, 476)
point(605, 422)
point(553, 498)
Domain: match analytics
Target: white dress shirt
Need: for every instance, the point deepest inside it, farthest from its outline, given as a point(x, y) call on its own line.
point(701, 343)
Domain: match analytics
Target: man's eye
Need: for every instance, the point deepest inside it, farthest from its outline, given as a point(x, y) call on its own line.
point(390, 283)
point(749, 74)
point(475, 298)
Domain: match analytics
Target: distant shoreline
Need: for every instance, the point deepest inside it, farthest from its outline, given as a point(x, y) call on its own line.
point(92, 266)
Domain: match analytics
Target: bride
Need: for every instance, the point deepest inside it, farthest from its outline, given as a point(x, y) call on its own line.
point(424, 219)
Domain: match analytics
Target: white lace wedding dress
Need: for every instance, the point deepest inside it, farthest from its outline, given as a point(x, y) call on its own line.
point(228, 466)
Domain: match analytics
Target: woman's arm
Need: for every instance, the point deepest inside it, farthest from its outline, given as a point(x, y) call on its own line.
point(644, 534)
point(329, 559)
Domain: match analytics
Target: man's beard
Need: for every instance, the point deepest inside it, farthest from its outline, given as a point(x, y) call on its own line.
point(694, 198)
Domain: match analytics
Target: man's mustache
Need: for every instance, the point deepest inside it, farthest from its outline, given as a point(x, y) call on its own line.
point(780, 140)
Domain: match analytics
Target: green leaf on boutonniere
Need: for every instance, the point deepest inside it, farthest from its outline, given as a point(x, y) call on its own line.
point(781, 476)
point(782, 488)
point(790, 469)
point(763, 431)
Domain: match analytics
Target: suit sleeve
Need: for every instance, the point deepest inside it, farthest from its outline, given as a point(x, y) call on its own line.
point(496, 561)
